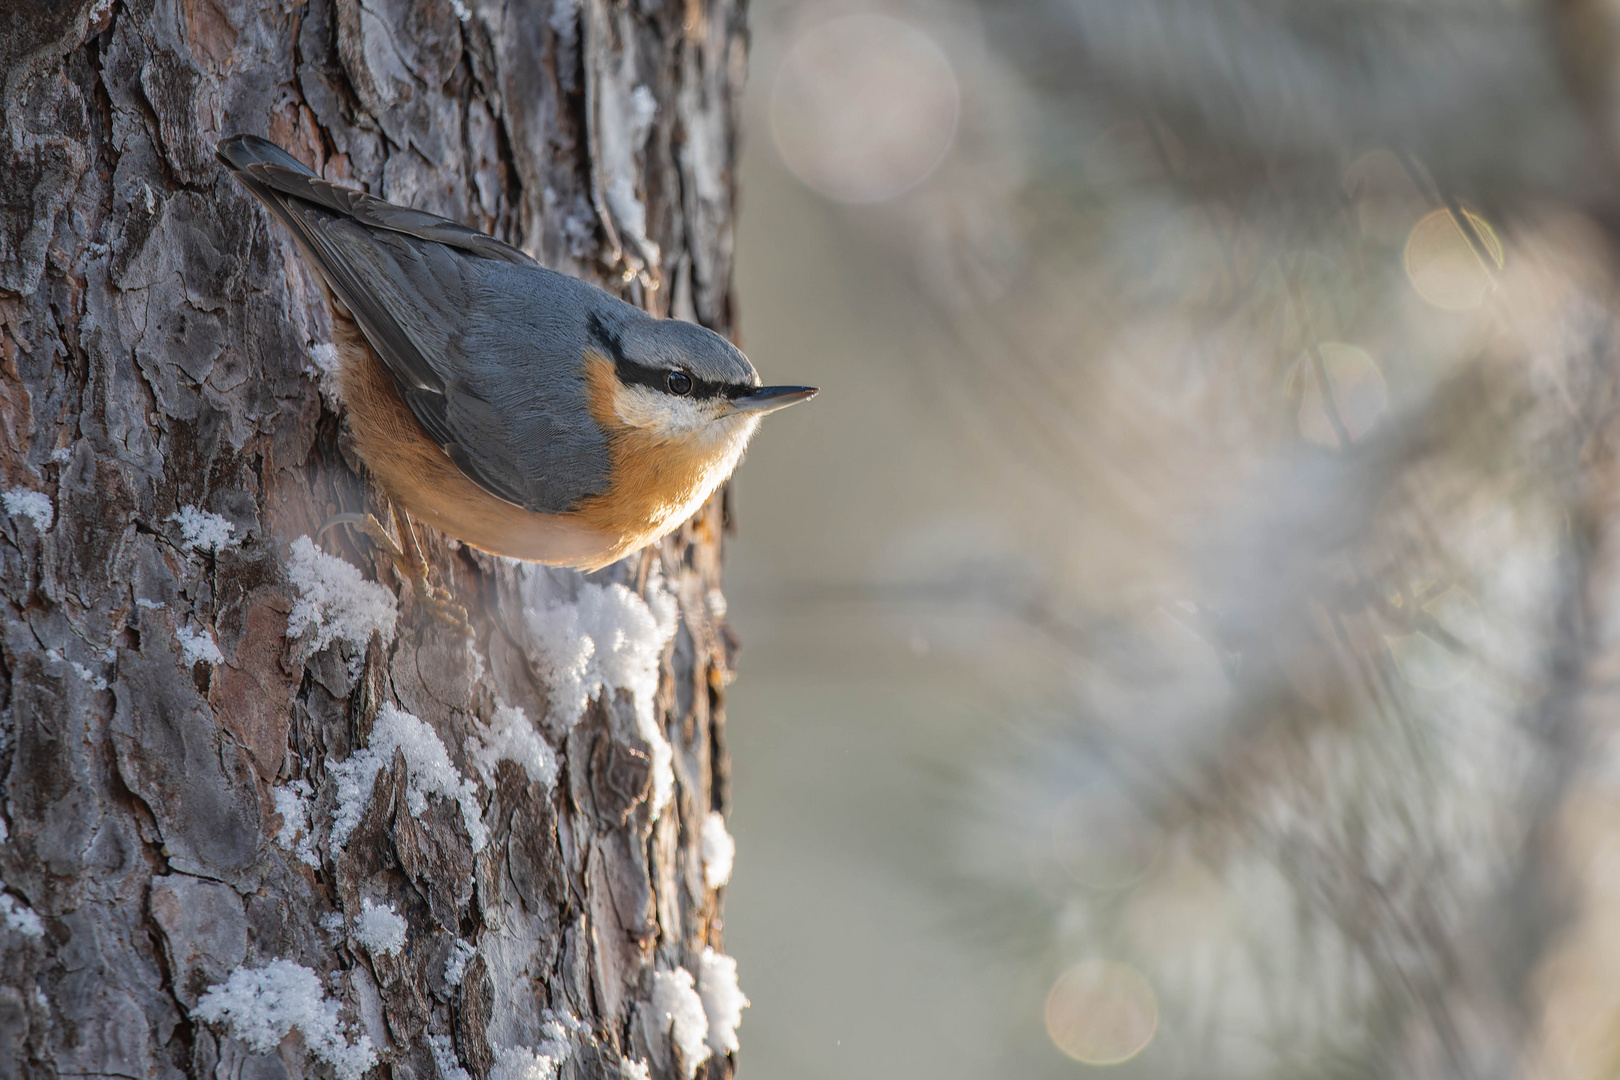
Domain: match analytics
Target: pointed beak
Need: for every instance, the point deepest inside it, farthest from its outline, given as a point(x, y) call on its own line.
point(768, 399)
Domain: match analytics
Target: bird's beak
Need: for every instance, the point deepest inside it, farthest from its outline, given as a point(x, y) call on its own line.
point(768, 399)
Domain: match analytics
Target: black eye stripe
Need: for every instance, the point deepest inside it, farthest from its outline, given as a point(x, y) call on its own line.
point(632, 373)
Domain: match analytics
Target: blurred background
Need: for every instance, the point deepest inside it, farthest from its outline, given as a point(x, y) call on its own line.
point(1180, 639)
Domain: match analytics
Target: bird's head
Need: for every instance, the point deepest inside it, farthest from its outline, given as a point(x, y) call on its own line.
point(677, 404)
point(679, 384)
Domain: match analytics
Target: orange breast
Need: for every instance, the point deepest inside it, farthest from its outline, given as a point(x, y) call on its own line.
point(656, 482)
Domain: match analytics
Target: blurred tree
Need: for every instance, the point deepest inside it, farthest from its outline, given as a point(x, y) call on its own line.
point(186, 709)
point(1297, 324)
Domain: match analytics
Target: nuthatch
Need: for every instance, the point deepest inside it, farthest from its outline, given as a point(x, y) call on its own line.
point(514, 408)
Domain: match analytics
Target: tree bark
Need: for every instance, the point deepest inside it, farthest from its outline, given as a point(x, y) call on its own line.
point(163, 350)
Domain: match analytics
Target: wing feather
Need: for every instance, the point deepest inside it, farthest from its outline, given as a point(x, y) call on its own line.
point(401, 273)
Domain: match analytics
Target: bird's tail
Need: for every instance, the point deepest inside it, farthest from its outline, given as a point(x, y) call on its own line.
point(273, 175)
point(241, 152)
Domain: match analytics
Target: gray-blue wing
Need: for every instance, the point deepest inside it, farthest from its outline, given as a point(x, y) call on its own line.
point(482, 341)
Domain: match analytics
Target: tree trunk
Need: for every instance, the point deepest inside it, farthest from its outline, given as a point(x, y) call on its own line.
point(195, 697)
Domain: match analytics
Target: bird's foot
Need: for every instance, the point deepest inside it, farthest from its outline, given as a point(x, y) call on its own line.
point(440, 603)
point(436, 600)
point(373, 528)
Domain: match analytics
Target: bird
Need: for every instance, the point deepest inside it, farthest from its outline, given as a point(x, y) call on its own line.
point(519, 410)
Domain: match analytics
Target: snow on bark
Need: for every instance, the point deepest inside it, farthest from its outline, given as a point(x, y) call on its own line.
point(171, 447)
point(719, 850)
point(723, 1000)
point(335, 603)
point(261, 1006)
point(427, 765)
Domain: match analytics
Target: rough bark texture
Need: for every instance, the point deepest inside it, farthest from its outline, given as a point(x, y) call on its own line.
point(161, 346)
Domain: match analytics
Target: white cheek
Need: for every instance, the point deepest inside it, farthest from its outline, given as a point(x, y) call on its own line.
point(683, 418)
point(640, 407)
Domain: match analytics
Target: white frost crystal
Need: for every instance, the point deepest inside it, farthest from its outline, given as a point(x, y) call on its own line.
point(292, 803)
point(609, 639)
point(380, 929)
point(538, 1062)
point(556, 1043)
point(679, 1011)
point(198, 645)
point(511, 737)
point(33, 505)
point(200, 529)
point(20, 917)
point(444, 1058)
point(335, 601)
point(521, 1063)
point(96, 681)
point(719, 849)
point(427, 764)
point(261, 1005)
point(723, 1000)
point(455, 965)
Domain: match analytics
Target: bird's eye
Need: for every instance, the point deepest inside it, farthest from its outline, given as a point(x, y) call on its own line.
point(679, 383)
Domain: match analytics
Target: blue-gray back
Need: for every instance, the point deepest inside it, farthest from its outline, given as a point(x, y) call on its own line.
point(489, 357)
point(485, 345)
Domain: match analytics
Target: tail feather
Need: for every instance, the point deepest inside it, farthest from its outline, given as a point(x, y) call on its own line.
point(272, 174)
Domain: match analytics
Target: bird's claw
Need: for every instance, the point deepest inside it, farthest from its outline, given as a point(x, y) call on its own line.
point(373, 528)
point(439, 602)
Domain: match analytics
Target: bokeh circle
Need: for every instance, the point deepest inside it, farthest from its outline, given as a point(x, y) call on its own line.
point(864, 107)
point(1101, 1012)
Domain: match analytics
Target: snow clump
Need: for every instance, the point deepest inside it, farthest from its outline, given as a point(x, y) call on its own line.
point(444, 1058)
point(521, 1063)
point(34, 505)
point(335, 603)
point(382, 929)
point(511, 737)
point(325, 355)
point(261, 1005)
point(20, 917)
point(96, 681)
point(723, 1000)
point(427, 764)
point(719, 849)
point(200, 529)
point(679, 1011)
point(292, 803)
point(198, 645)
point(609, 639)
point(455, 965)
point(556, 1029)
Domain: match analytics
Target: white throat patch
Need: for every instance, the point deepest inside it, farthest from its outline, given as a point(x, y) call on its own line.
point(678, 419)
